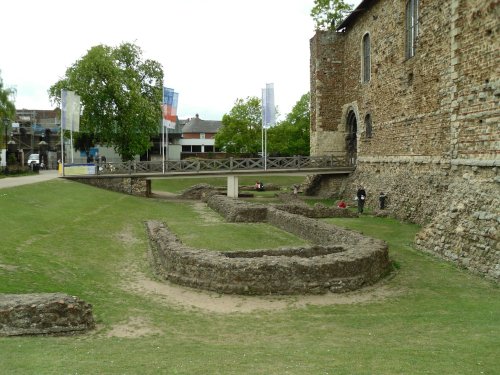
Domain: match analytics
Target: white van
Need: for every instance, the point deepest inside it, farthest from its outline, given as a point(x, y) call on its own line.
point(33, 159)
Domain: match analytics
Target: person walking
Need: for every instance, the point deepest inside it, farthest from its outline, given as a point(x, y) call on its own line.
point(381, 198)
point(361, 197)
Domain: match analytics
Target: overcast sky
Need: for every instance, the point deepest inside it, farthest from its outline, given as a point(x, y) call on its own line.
point(212, 51)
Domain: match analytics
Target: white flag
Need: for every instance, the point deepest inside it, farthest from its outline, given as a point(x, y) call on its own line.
point(268, 108)
point(70, 108)
point(75, 123)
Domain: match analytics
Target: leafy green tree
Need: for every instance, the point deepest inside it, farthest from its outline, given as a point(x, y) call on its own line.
point(291, 136)
point(241, 130)
point(7, 107)
point(120, 96)
point(327, 14)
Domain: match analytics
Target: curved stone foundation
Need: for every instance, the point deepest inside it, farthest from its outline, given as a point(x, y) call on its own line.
point(341, 260)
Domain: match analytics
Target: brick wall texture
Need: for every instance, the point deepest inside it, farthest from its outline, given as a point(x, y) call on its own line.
point(435, 142)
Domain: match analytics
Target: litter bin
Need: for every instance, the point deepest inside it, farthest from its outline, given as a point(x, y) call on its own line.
point(35, 167)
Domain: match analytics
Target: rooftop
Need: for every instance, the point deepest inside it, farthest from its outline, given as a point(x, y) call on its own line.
point(197, 125)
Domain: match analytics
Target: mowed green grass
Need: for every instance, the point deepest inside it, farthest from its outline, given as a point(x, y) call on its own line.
point(61, 236)
point(173, 185)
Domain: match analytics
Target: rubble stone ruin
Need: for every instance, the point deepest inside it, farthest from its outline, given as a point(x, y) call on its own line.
point(338, 260)
point(44, 313)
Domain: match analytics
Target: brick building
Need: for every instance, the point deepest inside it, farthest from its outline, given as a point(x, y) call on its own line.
point(408, 91)
point(198, 136)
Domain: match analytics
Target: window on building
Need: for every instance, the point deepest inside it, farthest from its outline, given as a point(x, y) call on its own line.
point(368, 126)
point(411, 27)
point(195, 148)
point(209, 148)
point(186, 148)
point(352, 137)
point(202, 135)
point(366, 58)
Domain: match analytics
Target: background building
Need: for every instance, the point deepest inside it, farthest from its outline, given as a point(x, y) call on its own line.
point(198, 137)
point(36, 132)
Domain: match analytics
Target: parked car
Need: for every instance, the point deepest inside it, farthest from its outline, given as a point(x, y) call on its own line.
point(34, 159)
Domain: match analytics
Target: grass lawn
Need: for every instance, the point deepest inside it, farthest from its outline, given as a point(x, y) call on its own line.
point(61, 236)
point(173, 185)
point(15, 173)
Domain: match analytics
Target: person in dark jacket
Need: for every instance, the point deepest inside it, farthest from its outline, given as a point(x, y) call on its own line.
point(361, 197)
point(381, 198)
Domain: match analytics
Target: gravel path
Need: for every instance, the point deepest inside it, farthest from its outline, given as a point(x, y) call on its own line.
point(9, 182)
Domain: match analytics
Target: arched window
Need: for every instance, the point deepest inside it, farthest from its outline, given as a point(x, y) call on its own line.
point(366, 58)
point(352, 137)
point(411, 27)
point(368, 126)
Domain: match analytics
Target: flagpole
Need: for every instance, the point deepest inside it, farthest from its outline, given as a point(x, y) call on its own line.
point(169, 112)
point(263, 125)
point(166, 148)
point(72, 106)
point(163, 146)
point(63, 126)
point(262, 141)
point(265, 148)
point(71, 142)
point(62, 148)
point(269, 114)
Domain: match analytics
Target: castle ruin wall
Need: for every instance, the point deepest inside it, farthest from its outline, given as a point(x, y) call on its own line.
point(435, 141)
point(339, 260)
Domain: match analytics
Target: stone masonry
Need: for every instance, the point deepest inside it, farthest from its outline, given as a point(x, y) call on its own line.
point(138, 186)
point(45, 313)
point(434, 144)
point(339, 259)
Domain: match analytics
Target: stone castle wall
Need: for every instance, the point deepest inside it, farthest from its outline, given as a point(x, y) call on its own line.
point(435, 141)
point(325, 69)
point(458, 207)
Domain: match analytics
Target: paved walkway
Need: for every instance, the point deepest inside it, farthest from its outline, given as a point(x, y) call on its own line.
point(9, 182)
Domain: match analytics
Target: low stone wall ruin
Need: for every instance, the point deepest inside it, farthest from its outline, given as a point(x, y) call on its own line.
point(317, 211)
point(199, 191)
point(340, 260)
point(138, 186)
point(296, 205)
point(46, 313)
point(236, 210)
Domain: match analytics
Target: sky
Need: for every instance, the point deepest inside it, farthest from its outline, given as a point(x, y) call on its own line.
point(213, 52)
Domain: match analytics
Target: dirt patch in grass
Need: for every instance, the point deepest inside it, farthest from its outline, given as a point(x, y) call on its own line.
point(171, 294)
point(207, 215)
point(126, 237)
point(8, 267)
point(136, 326)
